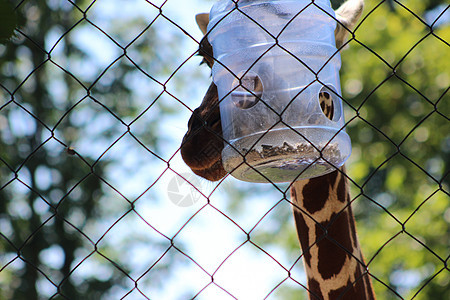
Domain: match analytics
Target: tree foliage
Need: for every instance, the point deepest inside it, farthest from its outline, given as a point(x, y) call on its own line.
point(396, 79)
point(63, 105)
point(10, 20)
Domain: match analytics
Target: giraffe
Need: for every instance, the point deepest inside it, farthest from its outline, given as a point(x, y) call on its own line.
point(324, 221)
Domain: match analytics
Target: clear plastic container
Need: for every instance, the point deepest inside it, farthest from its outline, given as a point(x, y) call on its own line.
point(277, 74)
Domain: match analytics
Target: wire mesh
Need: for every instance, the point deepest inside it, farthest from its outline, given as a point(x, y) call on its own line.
point(95, 201)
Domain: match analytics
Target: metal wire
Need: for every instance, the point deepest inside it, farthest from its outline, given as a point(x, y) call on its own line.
point(18, 250)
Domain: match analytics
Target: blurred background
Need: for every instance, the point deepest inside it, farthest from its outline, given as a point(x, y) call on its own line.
point(94, 201)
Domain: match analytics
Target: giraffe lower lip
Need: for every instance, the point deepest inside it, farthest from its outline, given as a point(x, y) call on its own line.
point(214, 170)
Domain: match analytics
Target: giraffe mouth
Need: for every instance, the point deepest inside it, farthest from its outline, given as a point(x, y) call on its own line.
point(213, 172)
point(204, 159)
point(202, 147)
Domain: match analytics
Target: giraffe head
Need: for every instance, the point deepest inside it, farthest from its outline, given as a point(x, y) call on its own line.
point(203, 143)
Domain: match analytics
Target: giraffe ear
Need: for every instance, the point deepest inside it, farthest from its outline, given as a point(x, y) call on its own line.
point(202, 22)
point(347, 15)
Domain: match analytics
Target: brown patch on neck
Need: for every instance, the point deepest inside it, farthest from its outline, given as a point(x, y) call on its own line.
point(314, 289)
point(335, 245)
point(342, 193)
point(317, 191)
point(347, 292)
point(303, 235)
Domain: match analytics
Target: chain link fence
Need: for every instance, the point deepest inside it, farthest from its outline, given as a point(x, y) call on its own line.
point(95, 201)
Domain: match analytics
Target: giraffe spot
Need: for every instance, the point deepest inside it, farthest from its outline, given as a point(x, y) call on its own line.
point(328, 100)
point(347, 292)
point(343, 196)
point(303, 235)
point(335, 246)
point(294, 195)
point(332, 177)
point(314, 289)
point(362, 287)
point(326, 105)
point(315, 193)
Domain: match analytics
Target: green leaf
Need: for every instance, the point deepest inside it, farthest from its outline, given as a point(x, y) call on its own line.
point(8, 19)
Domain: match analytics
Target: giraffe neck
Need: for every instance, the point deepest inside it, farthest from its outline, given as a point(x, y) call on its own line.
point(333, 260)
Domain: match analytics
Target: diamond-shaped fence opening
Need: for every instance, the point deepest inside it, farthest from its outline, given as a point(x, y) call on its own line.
point(96, 200)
